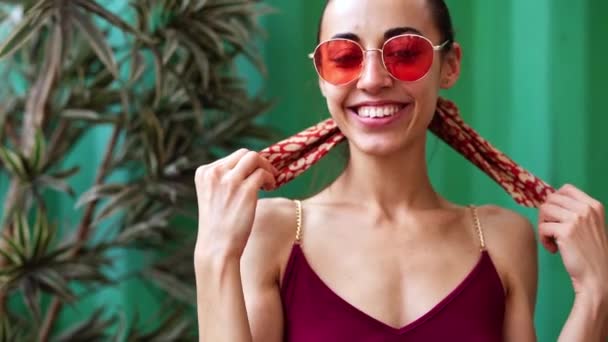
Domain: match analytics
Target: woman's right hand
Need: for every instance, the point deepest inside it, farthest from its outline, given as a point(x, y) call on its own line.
point(227, 195)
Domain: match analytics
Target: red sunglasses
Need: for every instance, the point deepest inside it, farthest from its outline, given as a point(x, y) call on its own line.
point(406, 57)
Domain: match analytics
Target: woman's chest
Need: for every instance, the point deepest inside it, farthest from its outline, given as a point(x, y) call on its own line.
point(390, 282)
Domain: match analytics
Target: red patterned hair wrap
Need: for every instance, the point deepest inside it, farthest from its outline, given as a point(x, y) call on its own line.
point(295, 155)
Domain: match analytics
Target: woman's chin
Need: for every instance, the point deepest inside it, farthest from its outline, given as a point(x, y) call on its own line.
point(376, 147)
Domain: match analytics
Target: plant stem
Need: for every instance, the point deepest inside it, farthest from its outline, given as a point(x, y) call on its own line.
point(83, 232)
point(33, 120)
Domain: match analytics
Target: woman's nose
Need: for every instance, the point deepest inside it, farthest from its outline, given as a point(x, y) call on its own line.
point(374, 76)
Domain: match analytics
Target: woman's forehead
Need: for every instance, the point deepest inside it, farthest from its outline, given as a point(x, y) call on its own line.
point(371, 19)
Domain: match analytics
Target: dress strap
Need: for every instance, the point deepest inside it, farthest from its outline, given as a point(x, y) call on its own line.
point(478, 227)
point(298, 220)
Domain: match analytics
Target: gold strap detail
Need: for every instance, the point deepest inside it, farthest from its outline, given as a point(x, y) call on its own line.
point(478, 227)
point(298, 220)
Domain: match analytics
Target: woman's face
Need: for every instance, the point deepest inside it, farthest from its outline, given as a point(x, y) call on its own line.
point(371, 23)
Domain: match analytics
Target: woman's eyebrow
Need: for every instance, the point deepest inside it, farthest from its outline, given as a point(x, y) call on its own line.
point(400, 30)
point(387, 35)
point(350, 36)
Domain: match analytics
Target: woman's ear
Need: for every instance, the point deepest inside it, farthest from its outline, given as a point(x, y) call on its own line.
point(450, 69)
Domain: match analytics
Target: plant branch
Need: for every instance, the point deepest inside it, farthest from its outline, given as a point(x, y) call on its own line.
point(35, 112)
point(56, 138)
point(10, 132)
point(83, 231)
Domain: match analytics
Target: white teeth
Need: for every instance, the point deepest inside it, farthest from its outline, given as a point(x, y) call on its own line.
point(378, 111)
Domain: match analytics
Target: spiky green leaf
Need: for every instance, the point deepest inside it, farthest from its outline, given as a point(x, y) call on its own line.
point(89, 116)
point(17, 251)
point(42, 234)
point(32, 299)
point(9, 255)
point(199, 56)
point(93, 328)
point(122, 200)
point(53, 282)
point(37, 158)
point(159, 77)
point(28, 27)
point(175, 287)
point(98, 192)
point(56, 184)
point(93, 7)
point(14, 163)
point(22, 236)
point(67, 173)
point(97, 41)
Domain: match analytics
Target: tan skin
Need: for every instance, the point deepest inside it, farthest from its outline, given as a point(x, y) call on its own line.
point(381, 227)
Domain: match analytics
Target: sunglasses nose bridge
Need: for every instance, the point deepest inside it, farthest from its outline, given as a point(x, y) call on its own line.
point(372, 50)
point(367, 51)
point(380, 56)
point(373, 72)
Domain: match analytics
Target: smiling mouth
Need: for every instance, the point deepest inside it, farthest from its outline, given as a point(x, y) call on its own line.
point(378, 111)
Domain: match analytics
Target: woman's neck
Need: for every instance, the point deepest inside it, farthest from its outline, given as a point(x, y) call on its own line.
point(384, 182)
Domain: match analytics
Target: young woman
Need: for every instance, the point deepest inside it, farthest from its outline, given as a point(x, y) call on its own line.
point(379, 255)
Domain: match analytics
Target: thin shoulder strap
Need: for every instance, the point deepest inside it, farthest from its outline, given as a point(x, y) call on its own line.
point(298, 220)
point(478, 227)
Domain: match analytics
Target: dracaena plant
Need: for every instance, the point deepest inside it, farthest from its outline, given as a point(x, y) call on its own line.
point(162, 75)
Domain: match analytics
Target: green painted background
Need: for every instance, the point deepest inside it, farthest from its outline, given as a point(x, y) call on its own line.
point(533, 83)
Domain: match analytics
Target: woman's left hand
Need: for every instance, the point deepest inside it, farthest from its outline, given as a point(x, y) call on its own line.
point(573, 223)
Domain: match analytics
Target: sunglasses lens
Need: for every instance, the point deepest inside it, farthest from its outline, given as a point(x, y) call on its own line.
point(338, 61)
point(408, 58)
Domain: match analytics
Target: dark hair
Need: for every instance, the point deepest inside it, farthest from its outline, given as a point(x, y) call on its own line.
point(441, 13)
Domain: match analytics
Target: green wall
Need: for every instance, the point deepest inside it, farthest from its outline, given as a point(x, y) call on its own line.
point(532, 84)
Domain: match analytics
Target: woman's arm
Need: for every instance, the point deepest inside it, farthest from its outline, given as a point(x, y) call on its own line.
point(227, 198)
point(522, 284)
point(574, 224)
point(226, 314)
point(239, 299)
point(220, 303)
point(588, 320)
point(512, 245)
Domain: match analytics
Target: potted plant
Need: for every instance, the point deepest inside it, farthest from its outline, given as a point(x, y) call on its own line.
point(157, 84)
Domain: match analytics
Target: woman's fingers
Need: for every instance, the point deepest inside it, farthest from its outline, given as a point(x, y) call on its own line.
point(260, 179)
point(547, 232)
point(248, 164)
point(594, 208)
point(558, 209)
point(227, 193)
point(551, 212)
point(566, 202)
point(574, 192)
point(229, 162)
point(236, 168)
point(573, 223)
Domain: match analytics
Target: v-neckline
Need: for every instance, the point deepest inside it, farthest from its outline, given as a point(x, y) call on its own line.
point(416, 322)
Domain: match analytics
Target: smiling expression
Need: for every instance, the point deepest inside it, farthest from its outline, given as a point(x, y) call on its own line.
point(377, 113)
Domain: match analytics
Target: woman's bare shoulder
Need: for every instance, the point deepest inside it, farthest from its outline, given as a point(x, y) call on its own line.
point(272, 235)
point(506, 226)
point(275, 219)
point(511, 241)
